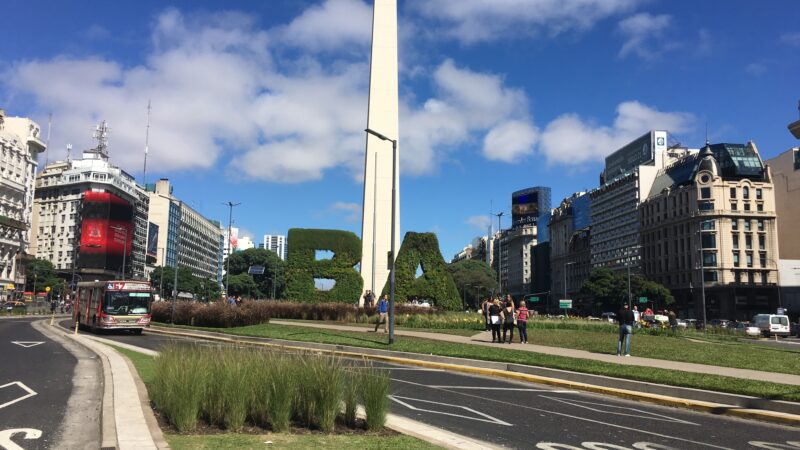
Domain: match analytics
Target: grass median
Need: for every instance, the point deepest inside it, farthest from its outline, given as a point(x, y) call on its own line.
point(429, 346)
point(304, 439)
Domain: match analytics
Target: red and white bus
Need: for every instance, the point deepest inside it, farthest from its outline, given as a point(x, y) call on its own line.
point(113, 305)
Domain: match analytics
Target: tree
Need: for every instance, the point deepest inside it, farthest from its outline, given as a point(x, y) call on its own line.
point(243, 284)
point(605, 287)
point(474, 279)
point(42, 274)
point(187, 282)
point(272, 282)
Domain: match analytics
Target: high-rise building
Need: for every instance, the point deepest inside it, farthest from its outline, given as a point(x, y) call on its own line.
point(785, 169)
point(478, 249)
point(570, 258)
point(625, 183)
point(185, 238)
point(20, 143)
point(275, 243)
point(88, 215)
point(245, 243)
point(709, 233)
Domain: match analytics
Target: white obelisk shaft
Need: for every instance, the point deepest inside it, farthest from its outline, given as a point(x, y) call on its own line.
point(383, 118)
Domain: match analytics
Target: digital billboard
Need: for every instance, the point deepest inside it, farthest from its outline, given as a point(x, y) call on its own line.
point(106, 231)
point(528, 204)
point(152, 243)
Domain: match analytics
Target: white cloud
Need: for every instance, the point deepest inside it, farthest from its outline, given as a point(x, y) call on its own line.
point(640, 30)
point(791, 38)
point(480, 222)
point(471, 21)
point(352, 211)
point(570, 140)
point(756, 68)
point(332, 25)
point(510, 141)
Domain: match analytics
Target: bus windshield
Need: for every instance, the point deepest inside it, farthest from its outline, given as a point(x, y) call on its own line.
point(122, 302)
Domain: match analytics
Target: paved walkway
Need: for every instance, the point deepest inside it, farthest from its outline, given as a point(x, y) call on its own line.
point(484, 339)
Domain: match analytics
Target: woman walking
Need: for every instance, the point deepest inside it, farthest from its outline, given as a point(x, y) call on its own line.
point(522, 322)
point(508, 321)
point(494, 317)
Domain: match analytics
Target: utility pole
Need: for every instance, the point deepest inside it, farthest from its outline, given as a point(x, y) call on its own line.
point(499, 253)
point(230, 244)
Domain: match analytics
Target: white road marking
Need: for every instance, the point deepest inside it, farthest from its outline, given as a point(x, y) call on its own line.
point(491, 388)
point(775, 446)
point(28, 344)
point(30, 393)
point(5, 437)
point(608, 409)
point(547, 411)
point(488, 418)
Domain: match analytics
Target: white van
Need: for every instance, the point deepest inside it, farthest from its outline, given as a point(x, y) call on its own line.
point(769, 324)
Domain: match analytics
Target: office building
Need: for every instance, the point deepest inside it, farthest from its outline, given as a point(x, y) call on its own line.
point(479, 249)
point(709, 232)
point(245, 243)
point(185, 237)
point(88, 214)
point(570, 255)
point(626, 181)
point(20, 144)
point(275, 243)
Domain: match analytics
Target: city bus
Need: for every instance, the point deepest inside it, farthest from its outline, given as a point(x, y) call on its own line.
point(113, 305)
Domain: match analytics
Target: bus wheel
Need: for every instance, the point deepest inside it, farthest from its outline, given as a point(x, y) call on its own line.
point(137, 331)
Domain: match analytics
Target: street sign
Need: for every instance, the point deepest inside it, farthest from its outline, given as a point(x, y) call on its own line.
point(781, 311)
point(533, 299)
point(256, 270)
point(642, 299)
point(565, 304)
point(47, 289)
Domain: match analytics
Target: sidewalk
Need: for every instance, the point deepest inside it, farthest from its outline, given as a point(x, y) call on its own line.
point(484, 339)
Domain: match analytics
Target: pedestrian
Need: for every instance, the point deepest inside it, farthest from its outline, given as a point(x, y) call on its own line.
point(625, 319)
point(61, 306)
point(522, 322)
point(53, 306)
point(383, 310)
point(369, 298)
point(485, 310)
point(494, 318)
point(673, 322)
point(637, 316)
point(509, 321)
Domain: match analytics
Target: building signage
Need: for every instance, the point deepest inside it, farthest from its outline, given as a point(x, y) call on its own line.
point(639, 152)
point(152, 242)
point(642, 299)
point(128, 286)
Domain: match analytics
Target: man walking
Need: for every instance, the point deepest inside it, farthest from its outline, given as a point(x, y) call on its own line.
point(673, 321)
point(625, 319)
point(383, 309)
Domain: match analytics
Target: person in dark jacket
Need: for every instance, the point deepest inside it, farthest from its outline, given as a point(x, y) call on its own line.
point(494, 318)
point(508, 315)
point(625, 319)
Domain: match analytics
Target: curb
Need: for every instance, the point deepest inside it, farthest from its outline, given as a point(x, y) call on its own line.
point(664, 400)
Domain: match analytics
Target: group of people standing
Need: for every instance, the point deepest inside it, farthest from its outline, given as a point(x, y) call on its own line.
point(503, 313)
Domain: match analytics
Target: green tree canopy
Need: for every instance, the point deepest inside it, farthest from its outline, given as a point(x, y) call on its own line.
point(609, 290)
point(243, 285)
point(201, 288)
point(474, 279)
point(269, 285)
point(42, 274)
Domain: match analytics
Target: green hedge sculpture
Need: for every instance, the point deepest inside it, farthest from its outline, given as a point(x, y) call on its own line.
point(302, 266)
point(436, 283)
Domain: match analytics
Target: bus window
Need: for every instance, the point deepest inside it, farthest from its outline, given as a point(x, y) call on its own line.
point(125, 302)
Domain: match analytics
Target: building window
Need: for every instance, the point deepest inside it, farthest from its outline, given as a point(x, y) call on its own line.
point(709, 275)
point(734, 206)
point(759, 194)
point(749, 259)
point(750, 277)
point(735, 259)
point(759, 207)
point(709, 240)
point(746, 193)
point(709, 259)
point(735, 224)
point(796, 159)
point(705, 192)
point(747, 225)
point(733, 192)
point(765, 277)
point(707, 225)
point(760, 223)
point(762, 259)
point(747, 206)
point(748, 242)
point(705, 206)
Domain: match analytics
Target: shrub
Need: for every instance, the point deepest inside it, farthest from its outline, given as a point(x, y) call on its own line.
point(350, 397)
point(328, 389)
point(179, 386)
point(375, 395)
point(282, 390)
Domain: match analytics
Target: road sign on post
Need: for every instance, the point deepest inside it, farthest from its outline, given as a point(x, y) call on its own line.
point(642, 299)
point(565, 304)
point(255, 270)
point(533, 299)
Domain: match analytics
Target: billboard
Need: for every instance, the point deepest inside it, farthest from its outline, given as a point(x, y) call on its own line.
point(152, 243)
point(641, 151)
point(528, 204)
point(106, 231)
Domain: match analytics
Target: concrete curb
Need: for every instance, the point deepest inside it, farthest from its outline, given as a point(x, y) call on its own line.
point(121, 400)
point(413, 360)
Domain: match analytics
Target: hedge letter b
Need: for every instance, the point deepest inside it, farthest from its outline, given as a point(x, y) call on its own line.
point(303, 268)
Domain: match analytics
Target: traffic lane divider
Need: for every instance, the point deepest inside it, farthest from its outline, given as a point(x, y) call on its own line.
point(697, 405)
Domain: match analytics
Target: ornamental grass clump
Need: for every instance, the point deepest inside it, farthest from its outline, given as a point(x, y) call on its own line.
point(178, 386)
point(305, 408)
point(281, 391)
point(375, 395)
point(329, 373)
point(350, 397)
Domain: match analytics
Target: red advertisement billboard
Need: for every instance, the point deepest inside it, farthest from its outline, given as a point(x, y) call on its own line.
point(106, 231)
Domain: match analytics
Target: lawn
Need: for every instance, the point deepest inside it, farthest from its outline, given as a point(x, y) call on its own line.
point(454, 331)
point(604, 342)
point(306, 440)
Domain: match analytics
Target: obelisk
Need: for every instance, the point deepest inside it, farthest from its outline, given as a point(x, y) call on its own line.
point(382, 117)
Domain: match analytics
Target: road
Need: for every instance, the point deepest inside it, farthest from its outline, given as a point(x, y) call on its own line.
point(526, 415)
point(35, 385)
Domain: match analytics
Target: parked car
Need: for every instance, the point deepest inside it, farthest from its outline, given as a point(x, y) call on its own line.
point(772, 324)
point(719, 323)
point(609, 316)
point(683, 323)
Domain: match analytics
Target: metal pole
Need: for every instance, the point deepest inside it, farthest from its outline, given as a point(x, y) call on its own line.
point(499, 253)
point(124, 251)
point(394, 255)
point(161, 276)
point(230, 245)
point(374, 222)
point(629, 285)
point(174, 292)
point(703, 281)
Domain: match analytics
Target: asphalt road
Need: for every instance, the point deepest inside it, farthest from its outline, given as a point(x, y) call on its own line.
point(526, 415)
point(35, 385)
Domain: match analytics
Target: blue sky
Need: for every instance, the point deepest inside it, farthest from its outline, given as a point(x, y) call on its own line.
point(264, 103)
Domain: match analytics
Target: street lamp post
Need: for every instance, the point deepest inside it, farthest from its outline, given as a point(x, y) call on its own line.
point(394, 203)
point(499, 253)
point(628, 267)
point(703, 278)
point(230, 246)
point(565, 277)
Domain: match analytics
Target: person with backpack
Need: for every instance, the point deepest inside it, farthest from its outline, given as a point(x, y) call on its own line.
point(509, 321)
point(522, 322)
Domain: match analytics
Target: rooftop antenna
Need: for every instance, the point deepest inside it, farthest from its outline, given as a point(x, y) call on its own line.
point(47, 145)
point(146, 146)
point(69, 152)
point(101, 136)
point(707, 142)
